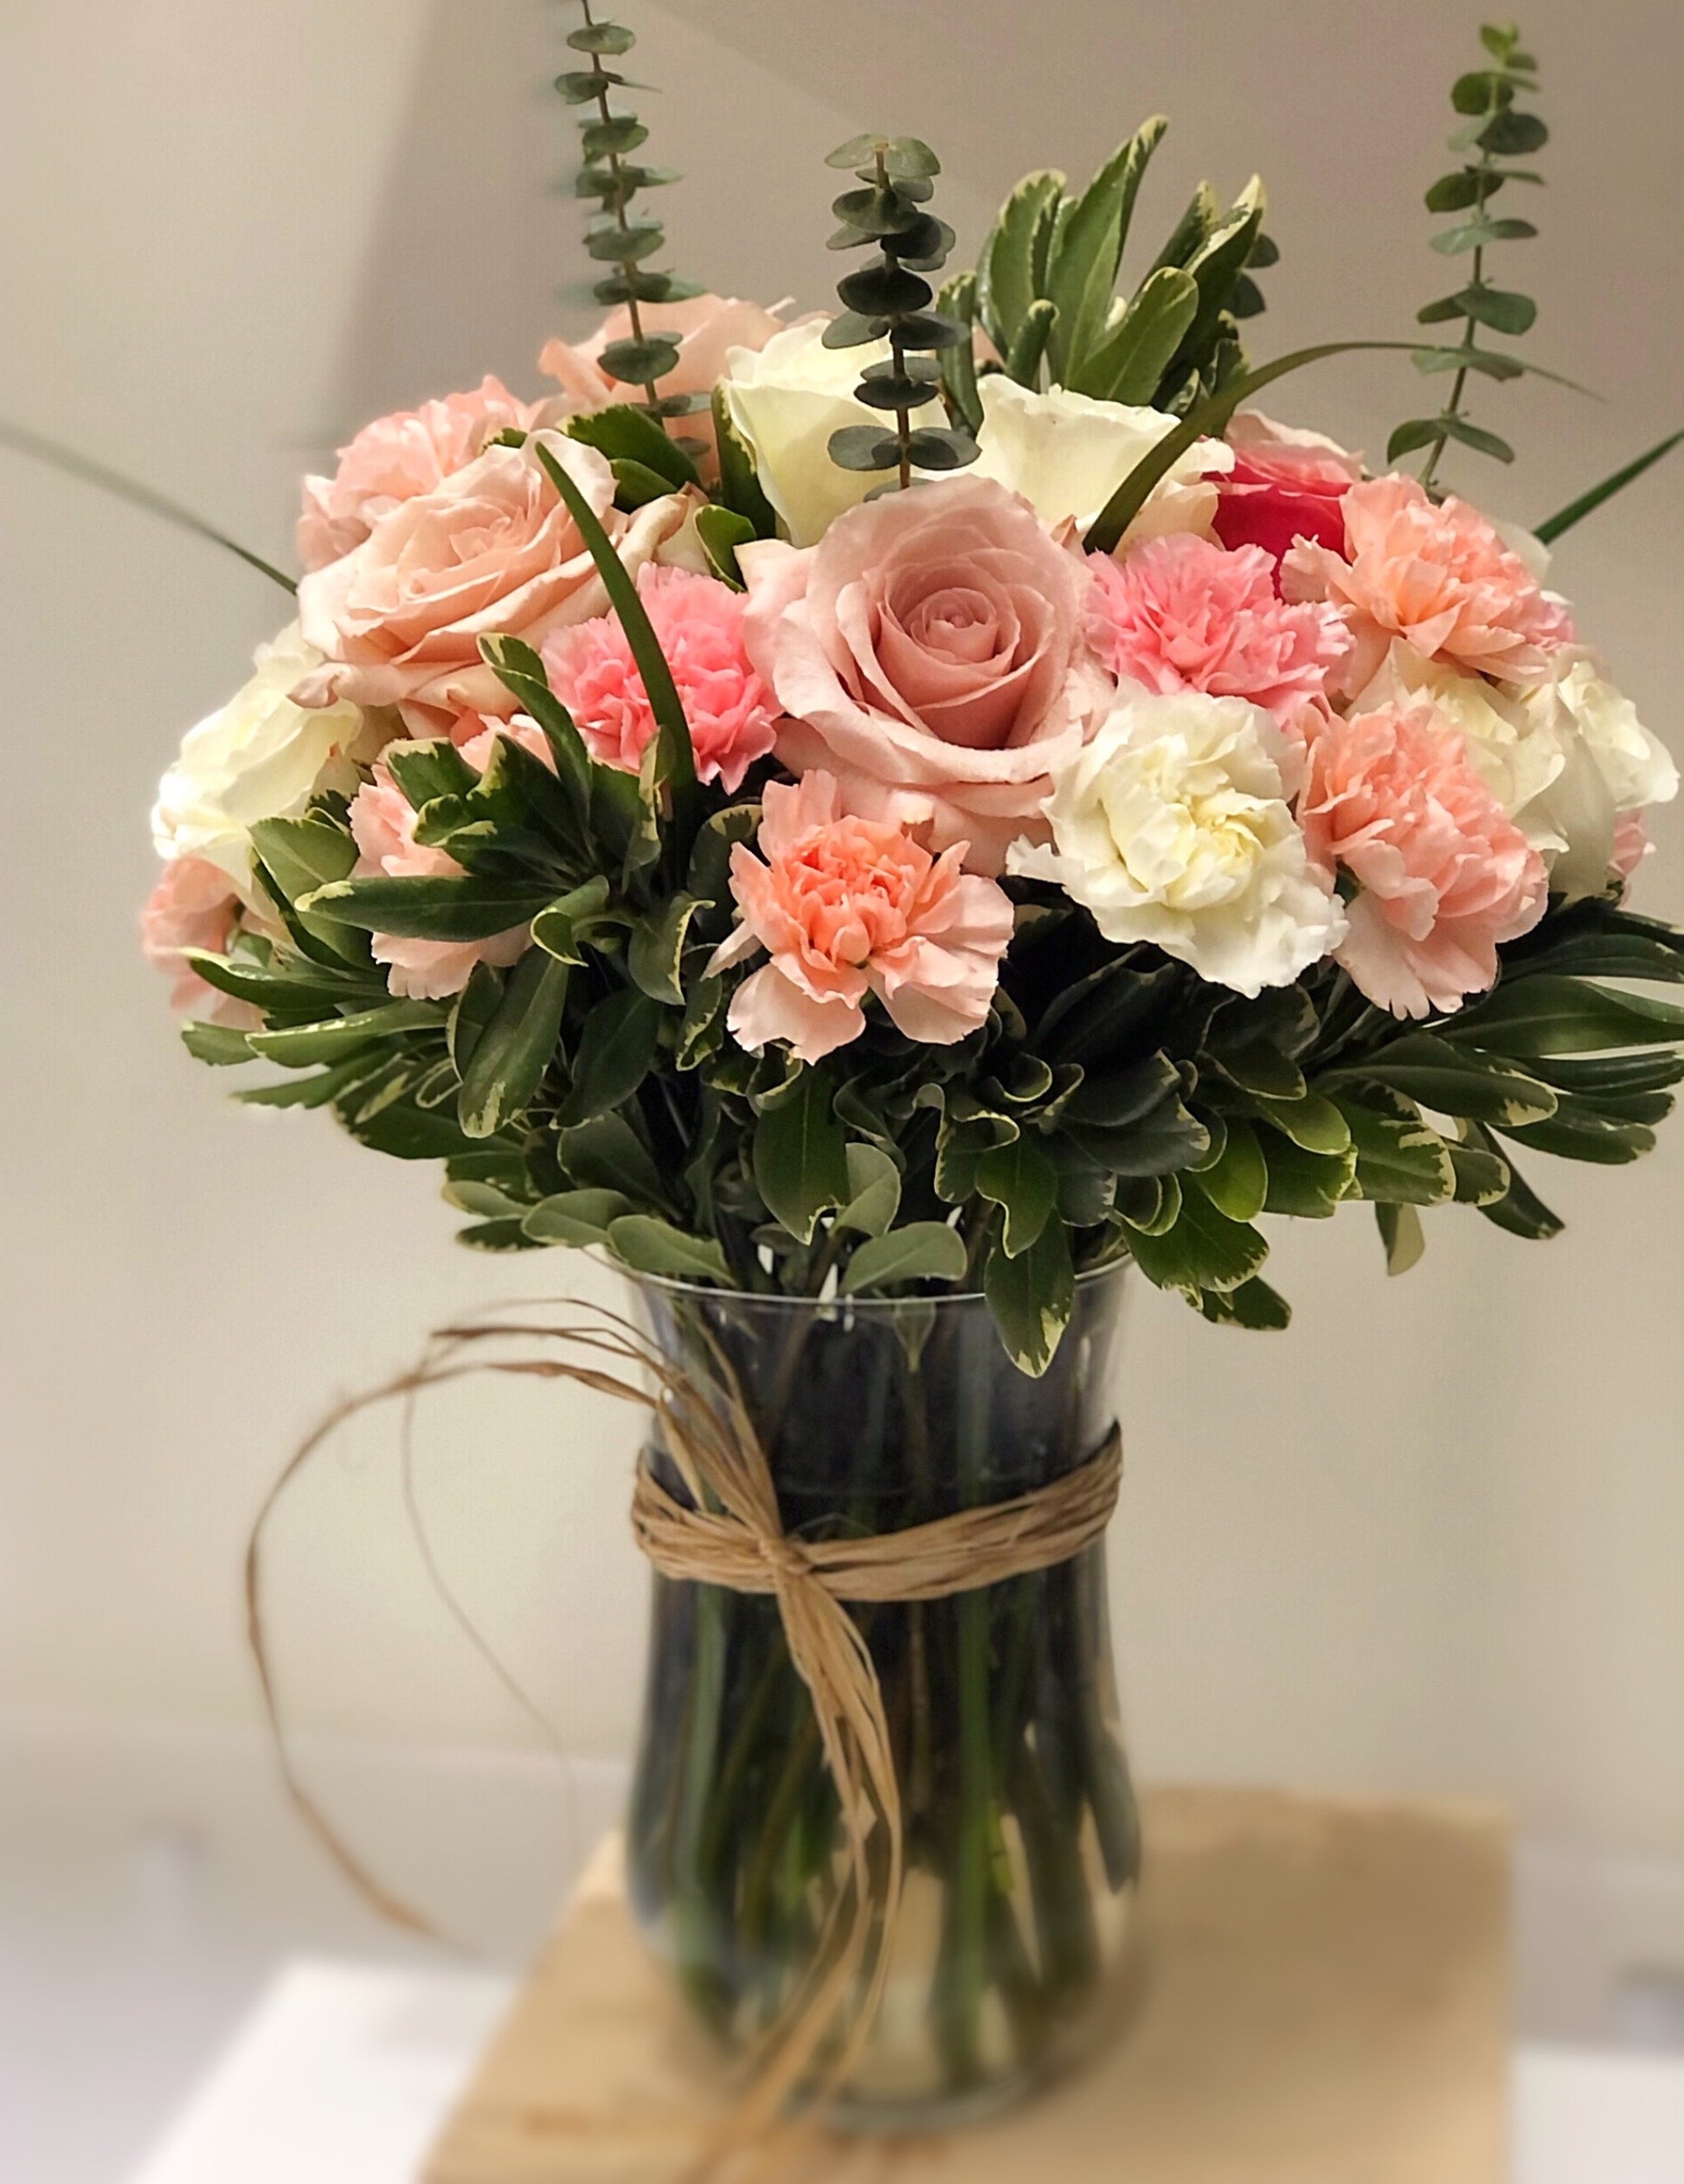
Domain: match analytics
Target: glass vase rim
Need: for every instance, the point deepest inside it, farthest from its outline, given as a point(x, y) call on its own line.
point(710, 1292)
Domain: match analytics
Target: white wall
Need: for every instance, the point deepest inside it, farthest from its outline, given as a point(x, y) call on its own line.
point(1431, 1541)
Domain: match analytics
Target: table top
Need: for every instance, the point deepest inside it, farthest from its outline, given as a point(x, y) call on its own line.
point(345, 2072)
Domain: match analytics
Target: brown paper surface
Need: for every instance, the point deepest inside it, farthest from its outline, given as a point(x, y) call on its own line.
point(1319, 1995)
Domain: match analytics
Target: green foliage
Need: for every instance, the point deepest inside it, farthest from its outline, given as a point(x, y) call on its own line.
point(890, 298)
point(1045, 288)
point(1496, 132)
point(1588, 503)
point(615, 238)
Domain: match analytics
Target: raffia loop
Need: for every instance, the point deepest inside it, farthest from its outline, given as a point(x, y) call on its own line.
point(731, 1533)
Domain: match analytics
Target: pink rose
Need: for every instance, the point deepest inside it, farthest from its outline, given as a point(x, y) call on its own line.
point(847, 906)
point(383, 824)
point(1178, 612)
point(1440, 577)
point(1631, 846)
point(1443, 875)
point(930, 651)
point(492, 551)
point(732, 715)
point(1286, 484)
point(707, 327)
point(396, 457)
point(193, 905)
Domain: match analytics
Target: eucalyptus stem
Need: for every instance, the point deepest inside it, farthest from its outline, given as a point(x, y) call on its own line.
point(1486, 176)
point(621, 196)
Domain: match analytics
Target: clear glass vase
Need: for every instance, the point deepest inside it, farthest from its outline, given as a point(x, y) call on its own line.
point(1022, 1843)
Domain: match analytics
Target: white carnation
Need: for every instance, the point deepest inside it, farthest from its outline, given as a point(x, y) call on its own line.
point(1172, 825)
point(1067, 454)
point(261, 757)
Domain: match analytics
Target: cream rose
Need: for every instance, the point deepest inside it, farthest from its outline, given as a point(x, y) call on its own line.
point(931, 652)
point(492, 552)
point(1172, 825)
point(1067, 454)
point(261, 756)
point(787, 399)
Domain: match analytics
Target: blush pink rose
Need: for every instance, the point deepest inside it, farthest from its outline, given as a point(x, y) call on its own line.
point(396, 457)
point(383, 825)
point(1443, 875)
point(733, 716)
point(492, 551)
point(1631, 846)
point(846, 907)
point(1440, 577)
point(1178, 613)
point(193, 905)
point(707, 328)
point(1286, 484)
point(930, 651)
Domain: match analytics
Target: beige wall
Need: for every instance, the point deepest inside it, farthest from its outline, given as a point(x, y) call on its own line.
point(1432, 1539)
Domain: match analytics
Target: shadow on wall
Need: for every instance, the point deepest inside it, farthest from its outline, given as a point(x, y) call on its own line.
point(476, 227)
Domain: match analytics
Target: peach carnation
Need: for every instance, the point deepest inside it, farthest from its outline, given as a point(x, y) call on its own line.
point(1439, 576)
point(383, 825)
point(732, 715)
point(1443, 875)
point(930, 651)
point(847, 906)
point(393, 459)
point(193, 905)
point(1180, 614)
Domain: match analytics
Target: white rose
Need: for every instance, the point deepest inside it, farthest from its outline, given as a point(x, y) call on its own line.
point(1172, 825)
point(787, 399)
point(1515, 752)
point(261, 757)
point(1067, 454)
point(1611, 765)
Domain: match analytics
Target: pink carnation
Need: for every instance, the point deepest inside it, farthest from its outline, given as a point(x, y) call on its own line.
point(193, 905)
point(1179, 613)
point(392, 460)
point(1438, 576)
point(733, 716)
point(847, 906)
point(383, 824)
point(1444, 874)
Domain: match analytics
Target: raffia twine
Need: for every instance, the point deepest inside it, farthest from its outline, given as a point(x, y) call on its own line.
point(731, 1534)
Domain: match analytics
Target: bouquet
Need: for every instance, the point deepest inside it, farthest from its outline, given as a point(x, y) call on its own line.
point(905, 808)
point(944, 795)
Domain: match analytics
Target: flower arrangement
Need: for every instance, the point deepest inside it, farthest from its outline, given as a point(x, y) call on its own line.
point(941, 796)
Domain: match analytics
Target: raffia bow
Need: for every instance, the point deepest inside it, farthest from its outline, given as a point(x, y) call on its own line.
point(731, 1533)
